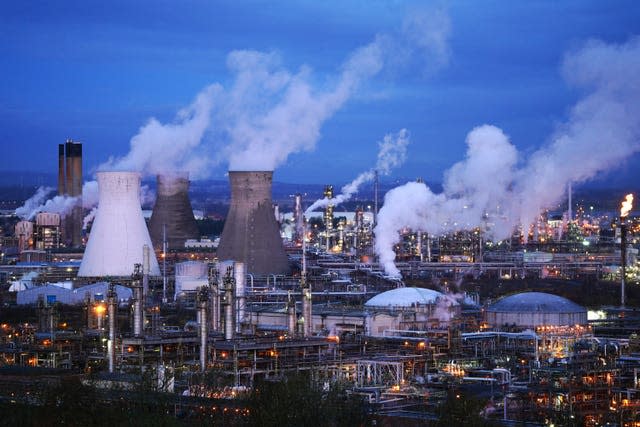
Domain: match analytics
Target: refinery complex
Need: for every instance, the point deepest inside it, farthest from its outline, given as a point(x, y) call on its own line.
point(540, 328)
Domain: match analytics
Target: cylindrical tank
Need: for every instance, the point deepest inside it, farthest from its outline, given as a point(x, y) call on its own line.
point(190, 275)
point(251, 234)
point(119, 231)
point(532, 309)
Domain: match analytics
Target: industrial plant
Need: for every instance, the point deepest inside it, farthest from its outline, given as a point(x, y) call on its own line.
point(538, 329)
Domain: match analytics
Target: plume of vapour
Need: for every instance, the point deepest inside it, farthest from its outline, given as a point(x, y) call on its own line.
point(270, 112)
point(392, 152)
point(89, 217)
point(161, 147)
point(601, 132)
point(34, 203)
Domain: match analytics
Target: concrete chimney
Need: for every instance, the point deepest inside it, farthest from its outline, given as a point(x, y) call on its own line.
point(173, 211)
point(251, 234)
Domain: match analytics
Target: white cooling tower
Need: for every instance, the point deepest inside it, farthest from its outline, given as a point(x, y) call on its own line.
point(119, 232)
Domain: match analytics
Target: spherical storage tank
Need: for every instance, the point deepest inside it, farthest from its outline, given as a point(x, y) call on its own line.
point(531, 309)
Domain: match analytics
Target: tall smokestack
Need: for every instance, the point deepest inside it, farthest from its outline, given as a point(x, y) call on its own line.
point(173, 211)
point(61, 174)
point(70, 184)
point(119, 232)
point(251, 234)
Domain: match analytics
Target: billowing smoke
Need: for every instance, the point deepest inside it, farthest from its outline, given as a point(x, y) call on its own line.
point(89, 217)
point(602, 131)
point(34, 204)
point(269, 112)
point(392, 152)
point(58, 204)
point(486, 190)
point(158, 148)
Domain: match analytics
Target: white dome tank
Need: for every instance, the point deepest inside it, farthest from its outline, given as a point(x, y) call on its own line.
point(119, 232)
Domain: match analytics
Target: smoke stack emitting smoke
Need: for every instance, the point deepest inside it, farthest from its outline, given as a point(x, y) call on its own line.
point(391, 154)
point(602, 131)
point(269, 112)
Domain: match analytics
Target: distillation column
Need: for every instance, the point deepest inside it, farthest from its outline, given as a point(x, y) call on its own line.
point(137, 301)
point(229, 282)
point(203, 299)
point(112, 301)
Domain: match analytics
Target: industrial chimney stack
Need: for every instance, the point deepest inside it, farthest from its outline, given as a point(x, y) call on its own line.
point(70, 184)
point(251, 234)
point(173, 211)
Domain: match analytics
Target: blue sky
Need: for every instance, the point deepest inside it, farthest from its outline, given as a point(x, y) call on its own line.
point(97, 71)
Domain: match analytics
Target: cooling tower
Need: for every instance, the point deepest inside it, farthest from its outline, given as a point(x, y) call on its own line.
point(119, 232)
point(173, 212)
point(251, 234)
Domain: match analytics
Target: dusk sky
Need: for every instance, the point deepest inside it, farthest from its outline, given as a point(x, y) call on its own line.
point(97, 72)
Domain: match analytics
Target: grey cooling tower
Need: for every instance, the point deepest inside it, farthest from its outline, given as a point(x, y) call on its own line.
point(173, 211)
point(251, 233)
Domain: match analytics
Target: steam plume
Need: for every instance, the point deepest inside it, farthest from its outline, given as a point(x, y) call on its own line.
point(34, 204)
point(391, 154)
point(487, 190)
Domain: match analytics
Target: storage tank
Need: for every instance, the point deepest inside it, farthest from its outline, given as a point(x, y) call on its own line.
point(190, 275)
point(532, 309)
point(119, 232)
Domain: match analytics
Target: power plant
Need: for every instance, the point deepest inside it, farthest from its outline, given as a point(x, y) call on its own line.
point(172, 218)
point(70, 184)
point(241, 314)
point(251, 234)
point(119, 233)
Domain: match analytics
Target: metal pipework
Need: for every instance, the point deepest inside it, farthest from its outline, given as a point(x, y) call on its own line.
point(203, 300)
point(137, 300)
point(112, 298)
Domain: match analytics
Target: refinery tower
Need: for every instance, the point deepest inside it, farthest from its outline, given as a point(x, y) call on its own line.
point(172, 217)
point(251, 234)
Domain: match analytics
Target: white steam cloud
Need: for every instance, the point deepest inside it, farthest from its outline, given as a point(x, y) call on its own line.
point(269, 112)
point(160, 148)
point(392, 152)
point(34, 204)
point(486, 190)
